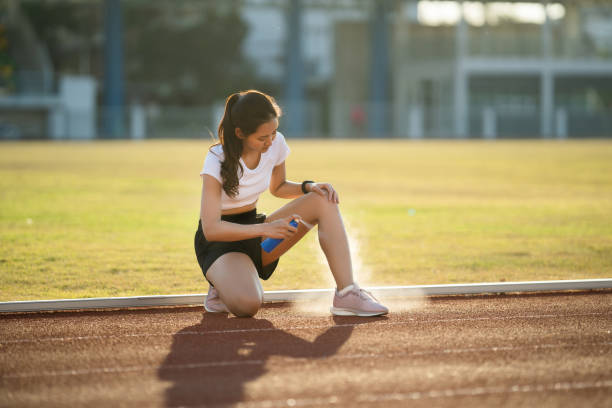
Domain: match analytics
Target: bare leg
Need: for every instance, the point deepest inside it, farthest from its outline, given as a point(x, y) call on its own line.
point(236, 279)
point(315, 209)
point(335, 246)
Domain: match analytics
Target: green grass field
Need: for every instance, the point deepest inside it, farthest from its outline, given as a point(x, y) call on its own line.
point(117, 218)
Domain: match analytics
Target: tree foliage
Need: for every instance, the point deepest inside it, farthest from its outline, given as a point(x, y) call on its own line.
point(186, 52)
point(178, 57)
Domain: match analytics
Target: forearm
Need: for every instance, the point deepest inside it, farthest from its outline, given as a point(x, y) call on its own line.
point(228, 231)
point(289, 189)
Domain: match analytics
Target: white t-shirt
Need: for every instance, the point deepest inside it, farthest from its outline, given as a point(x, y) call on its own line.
point(253, 182)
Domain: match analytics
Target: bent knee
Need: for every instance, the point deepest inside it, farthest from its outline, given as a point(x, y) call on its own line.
point(323, 202)
point(246, 306)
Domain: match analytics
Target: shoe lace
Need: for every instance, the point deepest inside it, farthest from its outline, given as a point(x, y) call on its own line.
point(367, 295)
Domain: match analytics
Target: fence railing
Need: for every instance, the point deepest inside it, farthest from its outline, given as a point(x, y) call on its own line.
point(48, 119)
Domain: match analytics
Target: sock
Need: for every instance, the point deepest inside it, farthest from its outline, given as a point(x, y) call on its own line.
point(346, 290)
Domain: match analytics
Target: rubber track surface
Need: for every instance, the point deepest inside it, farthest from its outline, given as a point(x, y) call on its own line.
point(545, 350)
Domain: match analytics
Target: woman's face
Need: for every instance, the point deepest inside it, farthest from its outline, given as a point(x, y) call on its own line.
point(261, 140)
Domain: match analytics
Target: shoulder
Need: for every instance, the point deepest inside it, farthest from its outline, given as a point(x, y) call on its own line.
point(281, 149)
point(215, 152)
point(280, 143)
point(213, 161)
point(280, 138)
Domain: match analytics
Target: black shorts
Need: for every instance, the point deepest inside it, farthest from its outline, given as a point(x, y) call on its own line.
point(207, 252)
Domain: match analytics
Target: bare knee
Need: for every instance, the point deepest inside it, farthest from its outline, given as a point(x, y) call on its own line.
point(323, 203)
point(245, 305)
point(236, 279)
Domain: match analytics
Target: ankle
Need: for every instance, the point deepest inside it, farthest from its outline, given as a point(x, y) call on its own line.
point(343, 291)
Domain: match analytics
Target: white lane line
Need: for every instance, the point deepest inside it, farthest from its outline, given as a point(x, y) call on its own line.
point(327, 326)
point(285, 360)
point(190, 333)
point(471, 350)
point(476, 391)
point(289, 402)
point(416, 395)
point(115, 370)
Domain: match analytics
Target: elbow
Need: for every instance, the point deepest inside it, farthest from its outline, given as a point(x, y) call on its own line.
point(274, 191)
point(209, 231)
point(280, 192)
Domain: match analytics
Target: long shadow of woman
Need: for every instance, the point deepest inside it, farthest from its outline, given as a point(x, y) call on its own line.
point(207, 365)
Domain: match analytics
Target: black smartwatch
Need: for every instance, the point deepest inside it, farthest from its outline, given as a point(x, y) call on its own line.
point(304, 185)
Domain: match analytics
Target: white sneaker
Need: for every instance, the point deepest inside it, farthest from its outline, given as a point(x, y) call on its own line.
point(354, 301)
point(213, 303)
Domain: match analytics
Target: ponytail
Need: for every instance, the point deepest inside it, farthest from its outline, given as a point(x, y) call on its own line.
point(232, 148)
point(245, 111)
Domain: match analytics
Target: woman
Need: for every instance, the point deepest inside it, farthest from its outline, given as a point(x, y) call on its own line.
point(250, 158)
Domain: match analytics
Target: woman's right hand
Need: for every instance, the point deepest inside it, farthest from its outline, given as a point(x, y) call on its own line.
point(281, 229)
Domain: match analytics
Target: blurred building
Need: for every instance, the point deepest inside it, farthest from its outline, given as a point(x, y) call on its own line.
point(344, 68)
point(485, 69)
point(35, 102)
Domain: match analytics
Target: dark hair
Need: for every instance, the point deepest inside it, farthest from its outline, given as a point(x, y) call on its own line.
point(245, 110)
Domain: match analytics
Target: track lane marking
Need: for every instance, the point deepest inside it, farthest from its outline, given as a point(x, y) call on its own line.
point(476, 391)
point(415, 395)
point(270, 329)
point(107, 370)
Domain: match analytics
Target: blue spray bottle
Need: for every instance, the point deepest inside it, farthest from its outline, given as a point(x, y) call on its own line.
point(269, 244)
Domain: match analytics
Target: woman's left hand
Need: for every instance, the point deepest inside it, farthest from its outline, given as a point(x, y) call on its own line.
point(324, 190)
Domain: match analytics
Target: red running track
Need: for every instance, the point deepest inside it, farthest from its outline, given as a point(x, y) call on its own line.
point(542, 350)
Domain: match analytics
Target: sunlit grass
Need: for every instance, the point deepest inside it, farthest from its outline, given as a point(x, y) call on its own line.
point(117, 218)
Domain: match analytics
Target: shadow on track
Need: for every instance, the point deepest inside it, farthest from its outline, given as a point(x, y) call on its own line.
point(209, 367)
